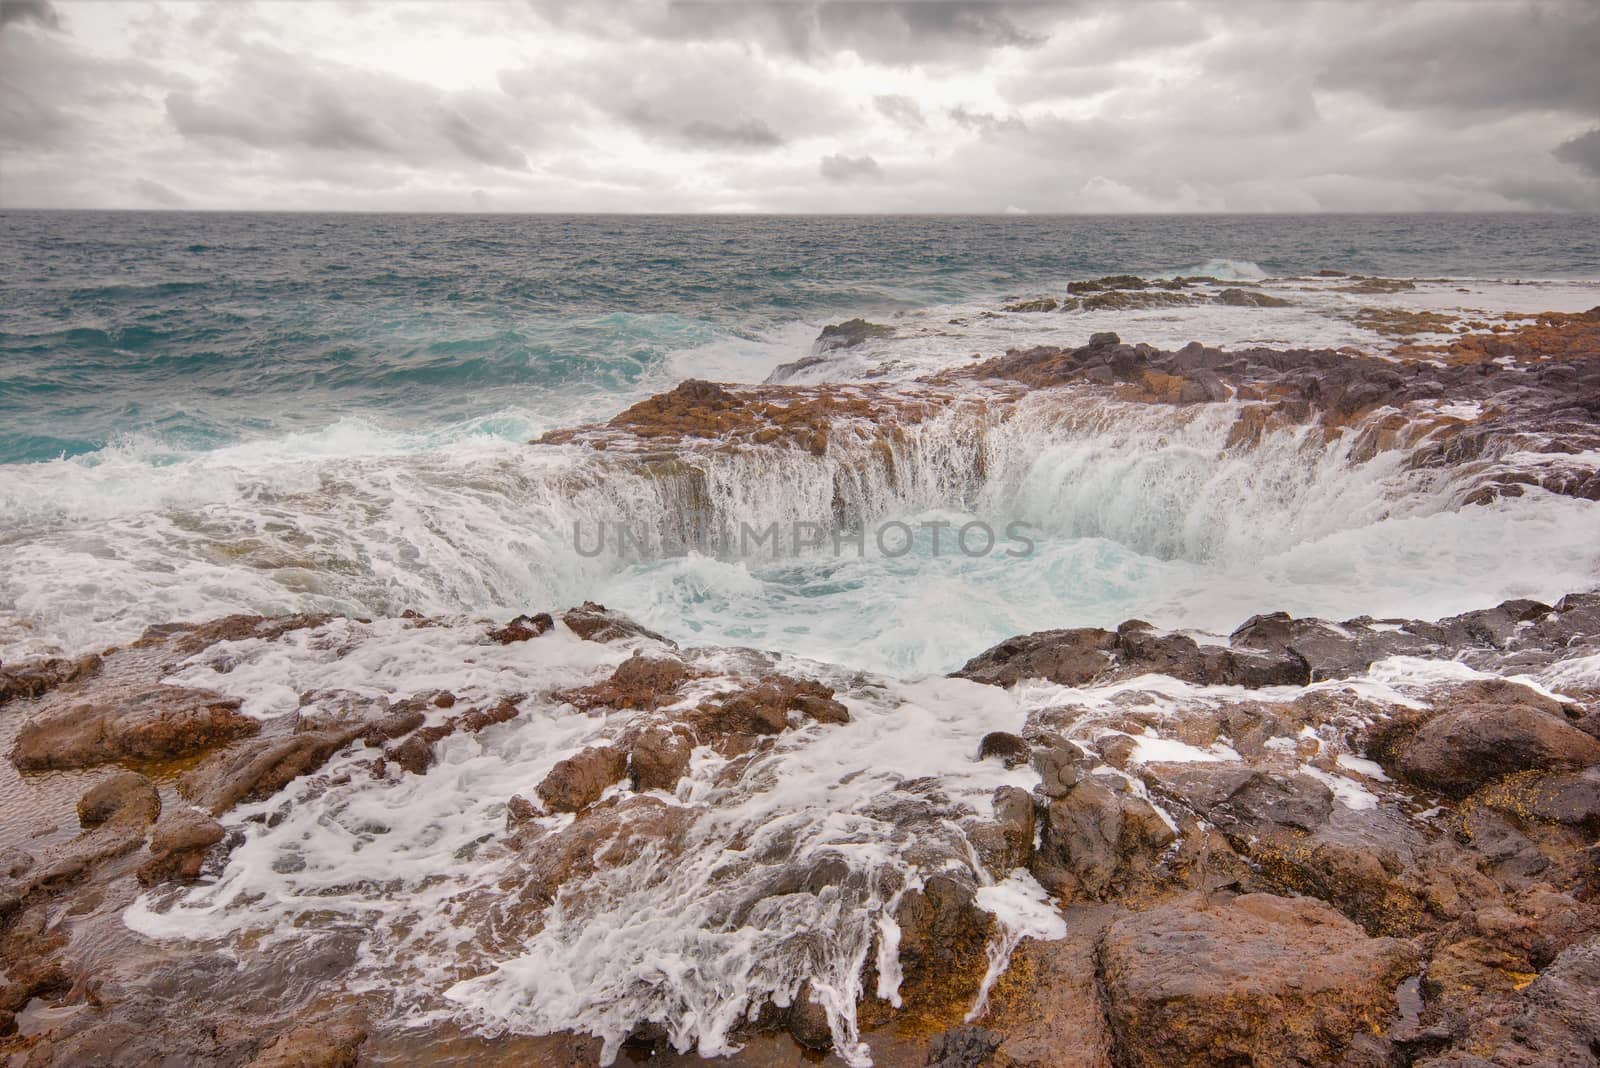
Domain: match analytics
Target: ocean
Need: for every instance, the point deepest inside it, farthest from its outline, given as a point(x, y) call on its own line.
point(212, 413)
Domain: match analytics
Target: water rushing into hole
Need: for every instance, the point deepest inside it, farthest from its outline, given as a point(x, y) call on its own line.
point(1129, 509)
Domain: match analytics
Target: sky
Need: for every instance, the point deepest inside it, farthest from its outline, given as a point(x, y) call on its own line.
point(843, 106)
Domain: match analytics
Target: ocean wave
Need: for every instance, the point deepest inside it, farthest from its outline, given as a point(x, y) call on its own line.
point(1226, 269)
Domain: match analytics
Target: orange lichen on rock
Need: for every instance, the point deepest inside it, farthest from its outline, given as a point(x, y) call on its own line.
point(1549, 336)
point(797, 416)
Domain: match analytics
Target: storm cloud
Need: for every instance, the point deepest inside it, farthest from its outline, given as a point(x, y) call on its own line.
point(1583, 151)
point(38, 12)
point(788, 105)
point(843, 168)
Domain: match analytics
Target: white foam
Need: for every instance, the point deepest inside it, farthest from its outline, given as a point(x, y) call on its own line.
point(1021, 909)
point(1577, 673)
point(1371, 769)
point(1346, 791)
point(1150, 748)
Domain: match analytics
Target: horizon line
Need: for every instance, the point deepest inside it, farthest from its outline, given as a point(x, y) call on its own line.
point(1023, 214)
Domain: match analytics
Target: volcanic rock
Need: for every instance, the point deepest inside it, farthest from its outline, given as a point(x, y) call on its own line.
point(258, 768)
point(578, 781)
point(34, 678)
point(1100, 832)
point(596, 623)
point(659, 758)
point(849, 334)
point(127, 795)
point(179, 845)
point(1250, 298)
point(144, 724)
point(1460, 750)
point(1257, 979)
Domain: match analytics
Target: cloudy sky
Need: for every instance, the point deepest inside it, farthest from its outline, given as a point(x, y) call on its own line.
point(720, 105)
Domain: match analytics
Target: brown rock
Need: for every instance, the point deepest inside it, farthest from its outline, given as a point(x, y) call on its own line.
point(578, 781)
point(1085, 655)
point(596, 623)
point(807, 1021)
point(763, 707)
point(332, 1043)
point(1061, 766)
point(126, 795)
point(1258, 980)
point(1006, 748)
point(522, 629)
point(1460, 750)
point(34, 678)
point(602, 836)
point(1560, 1020)
point(1250, 298)
point(260, 767)
point(963, 1047)
point(416, 754)
point(187, 639)
point(1047, 1004)
point(1041, 304)
point(1006, 843)
point(642, 682)
point(1070, 657)
point(1097, 834)
point(659, 758)
point(179, 845)
point(942, 938)
point(1242, 799)
point(849, 334)
point(520, 810)
point(154, 723)
point(476, 719)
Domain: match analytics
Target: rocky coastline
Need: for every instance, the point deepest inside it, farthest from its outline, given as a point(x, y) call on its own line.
point(1363, 842)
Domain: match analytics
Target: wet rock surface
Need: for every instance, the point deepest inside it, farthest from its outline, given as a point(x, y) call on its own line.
point(1233, 886)
point(150, 724)
point(1279, 650)
point(1258, 979)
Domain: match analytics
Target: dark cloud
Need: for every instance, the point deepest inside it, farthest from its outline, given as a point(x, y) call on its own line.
point(38, 12)
point(736, 135)
point(1582, 151)
point(156, 193)
point(475, 142)
point(985, 123)
point(849, 168)
point(51, 92)
point(274, 101)
point(751, 133)
point(906, 32)
point(901, 109)
point(1466, 57)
